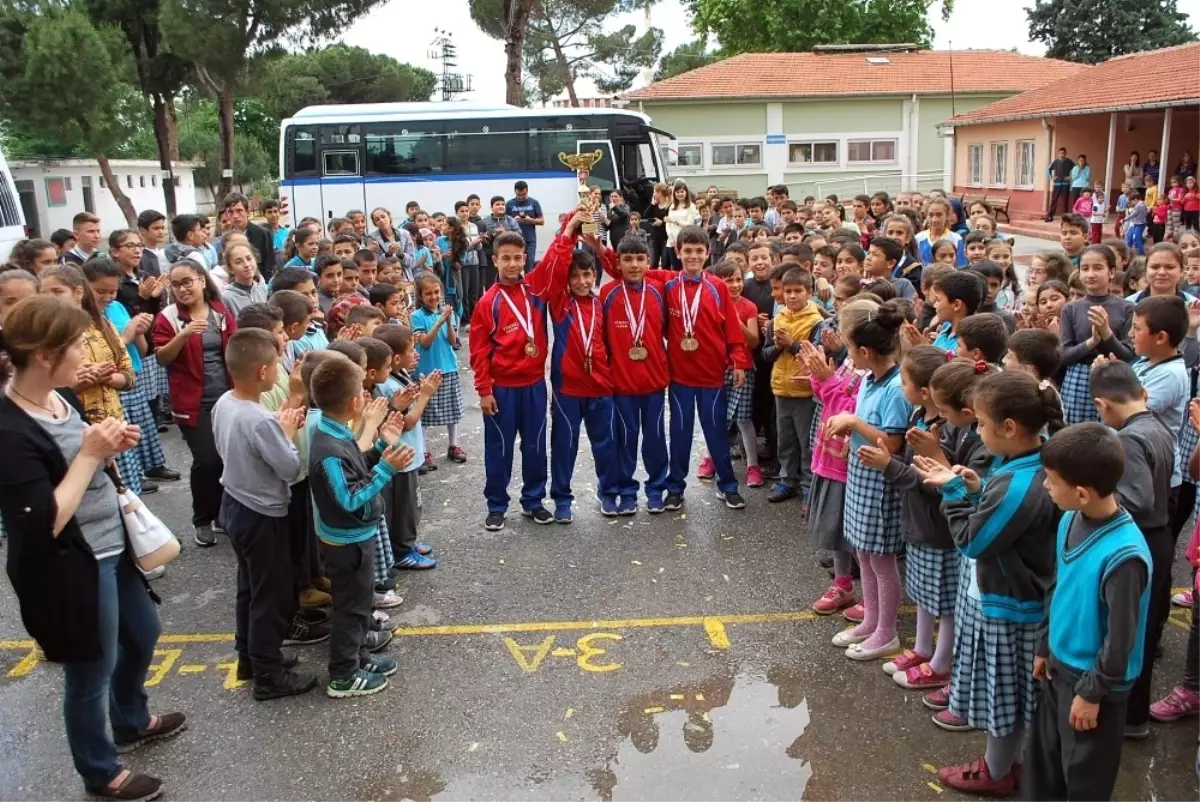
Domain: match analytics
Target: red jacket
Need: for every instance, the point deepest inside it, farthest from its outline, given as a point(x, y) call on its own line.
point(185, 376)
point(498, 341)
point(721, 341)
point(630, 377)
point(568, 371)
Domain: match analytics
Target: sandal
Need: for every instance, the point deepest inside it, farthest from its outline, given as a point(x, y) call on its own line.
point(134, 788)
point(164, 726)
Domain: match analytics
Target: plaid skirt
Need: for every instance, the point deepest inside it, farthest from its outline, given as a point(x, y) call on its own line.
point(137, 411)
point(130, 468)
point(872, 511)
point(826, 514)
point(931, 578)
point(1188, 438)
point(384, 559)
point(991, 684)
point(740, 404)
point(154, 376)
point(446, 406)
point(818, 409)
point(1078, 406)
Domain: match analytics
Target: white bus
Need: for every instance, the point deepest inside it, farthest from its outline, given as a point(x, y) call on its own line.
point(12, 217)
point(337, 158)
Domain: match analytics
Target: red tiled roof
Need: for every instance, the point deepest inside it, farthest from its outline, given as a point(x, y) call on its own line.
point(921, 72)
point(1156, 77)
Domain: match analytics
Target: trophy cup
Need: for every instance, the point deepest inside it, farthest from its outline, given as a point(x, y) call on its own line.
point(583, 162)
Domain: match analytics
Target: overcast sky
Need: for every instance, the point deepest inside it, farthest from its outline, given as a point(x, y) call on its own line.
point(405, 31)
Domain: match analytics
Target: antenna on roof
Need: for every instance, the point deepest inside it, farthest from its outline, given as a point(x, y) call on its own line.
point(953, 113)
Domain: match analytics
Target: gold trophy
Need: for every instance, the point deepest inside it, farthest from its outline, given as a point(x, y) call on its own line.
point(581, 163)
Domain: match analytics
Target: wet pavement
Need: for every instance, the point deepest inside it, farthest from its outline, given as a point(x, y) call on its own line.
point(643, 658)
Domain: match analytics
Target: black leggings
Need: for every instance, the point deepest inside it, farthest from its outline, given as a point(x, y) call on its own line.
point(205, 475)
point(1190, 220)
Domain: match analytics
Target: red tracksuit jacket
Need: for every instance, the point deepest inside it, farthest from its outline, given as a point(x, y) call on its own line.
point(716, 328)
point(498, 341)
point(568, 373)
point(630, 377)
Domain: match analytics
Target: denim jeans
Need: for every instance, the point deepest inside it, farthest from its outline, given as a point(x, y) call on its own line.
point(129, 629)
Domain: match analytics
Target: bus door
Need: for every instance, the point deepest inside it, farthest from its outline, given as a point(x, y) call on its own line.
point(301, 181)
point(342, 157)
point(604, 172)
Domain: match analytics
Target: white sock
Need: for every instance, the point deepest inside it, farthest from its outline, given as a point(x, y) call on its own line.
point(749, 441)
point(452, 432)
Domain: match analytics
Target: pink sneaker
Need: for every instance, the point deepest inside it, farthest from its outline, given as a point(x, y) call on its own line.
point(1179, 703)
point(1183, 599)
point(909, 659)
point(754, 477)
point(854, 614)
point(834, 599)
point(939, 699)
point(920, 678)
point(950, 722)
point(707, 469)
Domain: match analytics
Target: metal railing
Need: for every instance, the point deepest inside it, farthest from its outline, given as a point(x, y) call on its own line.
point(867, 184)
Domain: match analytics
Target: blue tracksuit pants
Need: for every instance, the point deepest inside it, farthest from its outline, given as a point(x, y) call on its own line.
point(712, 403)
point(520, 411)
point(568, 414)
point(641, 414)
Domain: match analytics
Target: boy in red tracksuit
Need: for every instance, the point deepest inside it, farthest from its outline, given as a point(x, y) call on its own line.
point(704, 335)
point(508, 357)
point(579, 373)
point(635, 315)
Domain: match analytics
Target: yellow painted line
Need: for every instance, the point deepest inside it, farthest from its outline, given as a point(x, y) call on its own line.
point(562, 736)
point(935, 787)
point(717, 636)
point(613, 623)
point(192, 669)
point(16, 644)
point(27, 664)
point(195, 638)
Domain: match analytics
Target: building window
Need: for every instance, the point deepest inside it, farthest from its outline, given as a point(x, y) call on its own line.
point(975, 165)
point(1025, 163)
point(153, 180)
point(999, 174)
point(806, 153)
point(691, 155)
point(129, 181)
point(56, 192)
point(103, 183)
point(67, 183)
point(177, 181)
point(737, 155)
point(142, 181)
point(870, 151)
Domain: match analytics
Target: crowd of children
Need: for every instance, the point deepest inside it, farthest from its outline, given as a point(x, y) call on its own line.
point(910, 392)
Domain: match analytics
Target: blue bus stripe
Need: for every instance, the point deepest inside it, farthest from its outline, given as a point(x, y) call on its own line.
point(421, 178)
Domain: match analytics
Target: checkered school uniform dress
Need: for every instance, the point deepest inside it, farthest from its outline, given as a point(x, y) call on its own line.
point(872, 504)
point(740, 404)
point(1188, 438)
point(1076, 392)
point(137, 411)
point(446, 406)
point(156, 378)
point(991, 683)
point(931, 578)
point(384, 558)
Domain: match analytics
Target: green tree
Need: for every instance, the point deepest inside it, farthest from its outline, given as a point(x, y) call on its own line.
point(566, 42)
point(1091, 31)
point(218, 36)
point(337, 74)
point(688, 56)
point(787, 26)
point(62, 79)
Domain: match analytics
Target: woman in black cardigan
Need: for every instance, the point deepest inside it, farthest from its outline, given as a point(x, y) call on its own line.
point(81, 597)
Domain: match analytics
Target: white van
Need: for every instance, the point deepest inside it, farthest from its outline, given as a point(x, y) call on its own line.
point(12, 218)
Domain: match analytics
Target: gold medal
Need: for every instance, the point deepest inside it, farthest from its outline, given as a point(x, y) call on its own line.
point(587, 364)
point(531, 349)
point(689, 343)
point(638, 352)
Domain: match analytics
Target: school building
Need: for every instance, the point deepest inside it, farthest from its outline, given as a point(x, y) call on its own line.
point(841, 119)
point(52, 191)
point(1140, 102)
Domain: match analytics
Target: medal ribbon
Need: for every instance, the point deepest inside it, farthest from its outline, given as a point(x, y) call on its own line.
point(588, 335)
point(526, 323)
point(689, 314)
point(635, 325)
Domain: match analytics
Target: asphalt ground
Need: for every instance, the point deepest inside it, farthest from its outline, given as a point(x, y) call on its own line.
point(667, 657)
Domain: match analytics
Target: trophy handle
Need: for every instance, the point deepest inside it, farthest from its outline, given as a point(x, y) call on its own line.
point(567, 160)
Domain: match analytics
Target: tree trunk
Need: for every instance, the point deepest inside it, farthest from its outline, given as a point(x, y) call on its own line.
point(517, 14)
point(225, 115)
point(172, 127)
point(162, 139)
point(568, 78)
point(114, 186)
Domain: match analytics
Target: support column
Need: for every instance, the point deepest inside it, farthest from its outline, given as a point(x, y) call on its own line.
point(948, 161)
point(775, 148)
point(1108, 157)
point(1164, 172)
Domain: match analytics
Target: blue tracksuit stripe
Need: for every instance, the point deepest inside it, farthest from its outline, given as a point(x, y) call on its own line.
point(568, 415)
point(1014, 496)
point(640, 416)
point(712, 404)
point(520, 411)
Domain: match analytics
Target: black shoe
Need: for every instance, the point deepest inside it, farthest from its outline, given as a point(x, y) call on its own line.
point(245, 671)
point(290, 684)
point(734, 500)
point(539, 515)
point(148, 488)
point(313, 615)
point(162, 473)
point(303, 633)
point(673, 501)
point(162, 428)
point(494, 522)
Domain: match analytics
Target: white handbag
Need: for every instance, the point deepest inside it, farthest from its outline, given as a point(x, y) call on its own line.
point(153, 543)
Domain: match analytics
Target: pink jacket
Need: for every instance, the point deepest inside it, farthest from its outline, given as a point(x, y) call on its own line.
point(837, 394)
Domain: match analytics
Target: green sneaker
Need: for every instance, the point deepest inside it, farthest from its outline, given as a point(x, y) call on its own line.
point(378, 664)
point(360, 683)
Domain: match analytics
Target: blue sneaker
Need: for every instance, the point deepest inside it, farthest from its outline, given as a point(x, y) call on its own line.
point(562, 515)
point(628, 506)
point(416, 561)
point(782, 492)
point(360, 683)
point(609, 508)
point(423, 548)
point(654, 505)
point(378, 664)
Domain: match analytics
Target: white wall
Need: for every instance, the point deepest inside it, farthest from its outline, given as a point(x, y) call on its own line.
point(146, 192)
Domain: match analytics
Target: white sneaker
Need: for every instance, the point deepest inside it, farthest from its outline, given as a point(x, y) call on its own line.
point(381, 616)
point(155, 573)
point(385, 601)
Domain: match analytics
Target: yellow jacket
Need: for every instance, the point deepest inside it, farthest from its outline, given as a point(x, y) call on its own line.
point(800, 325)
